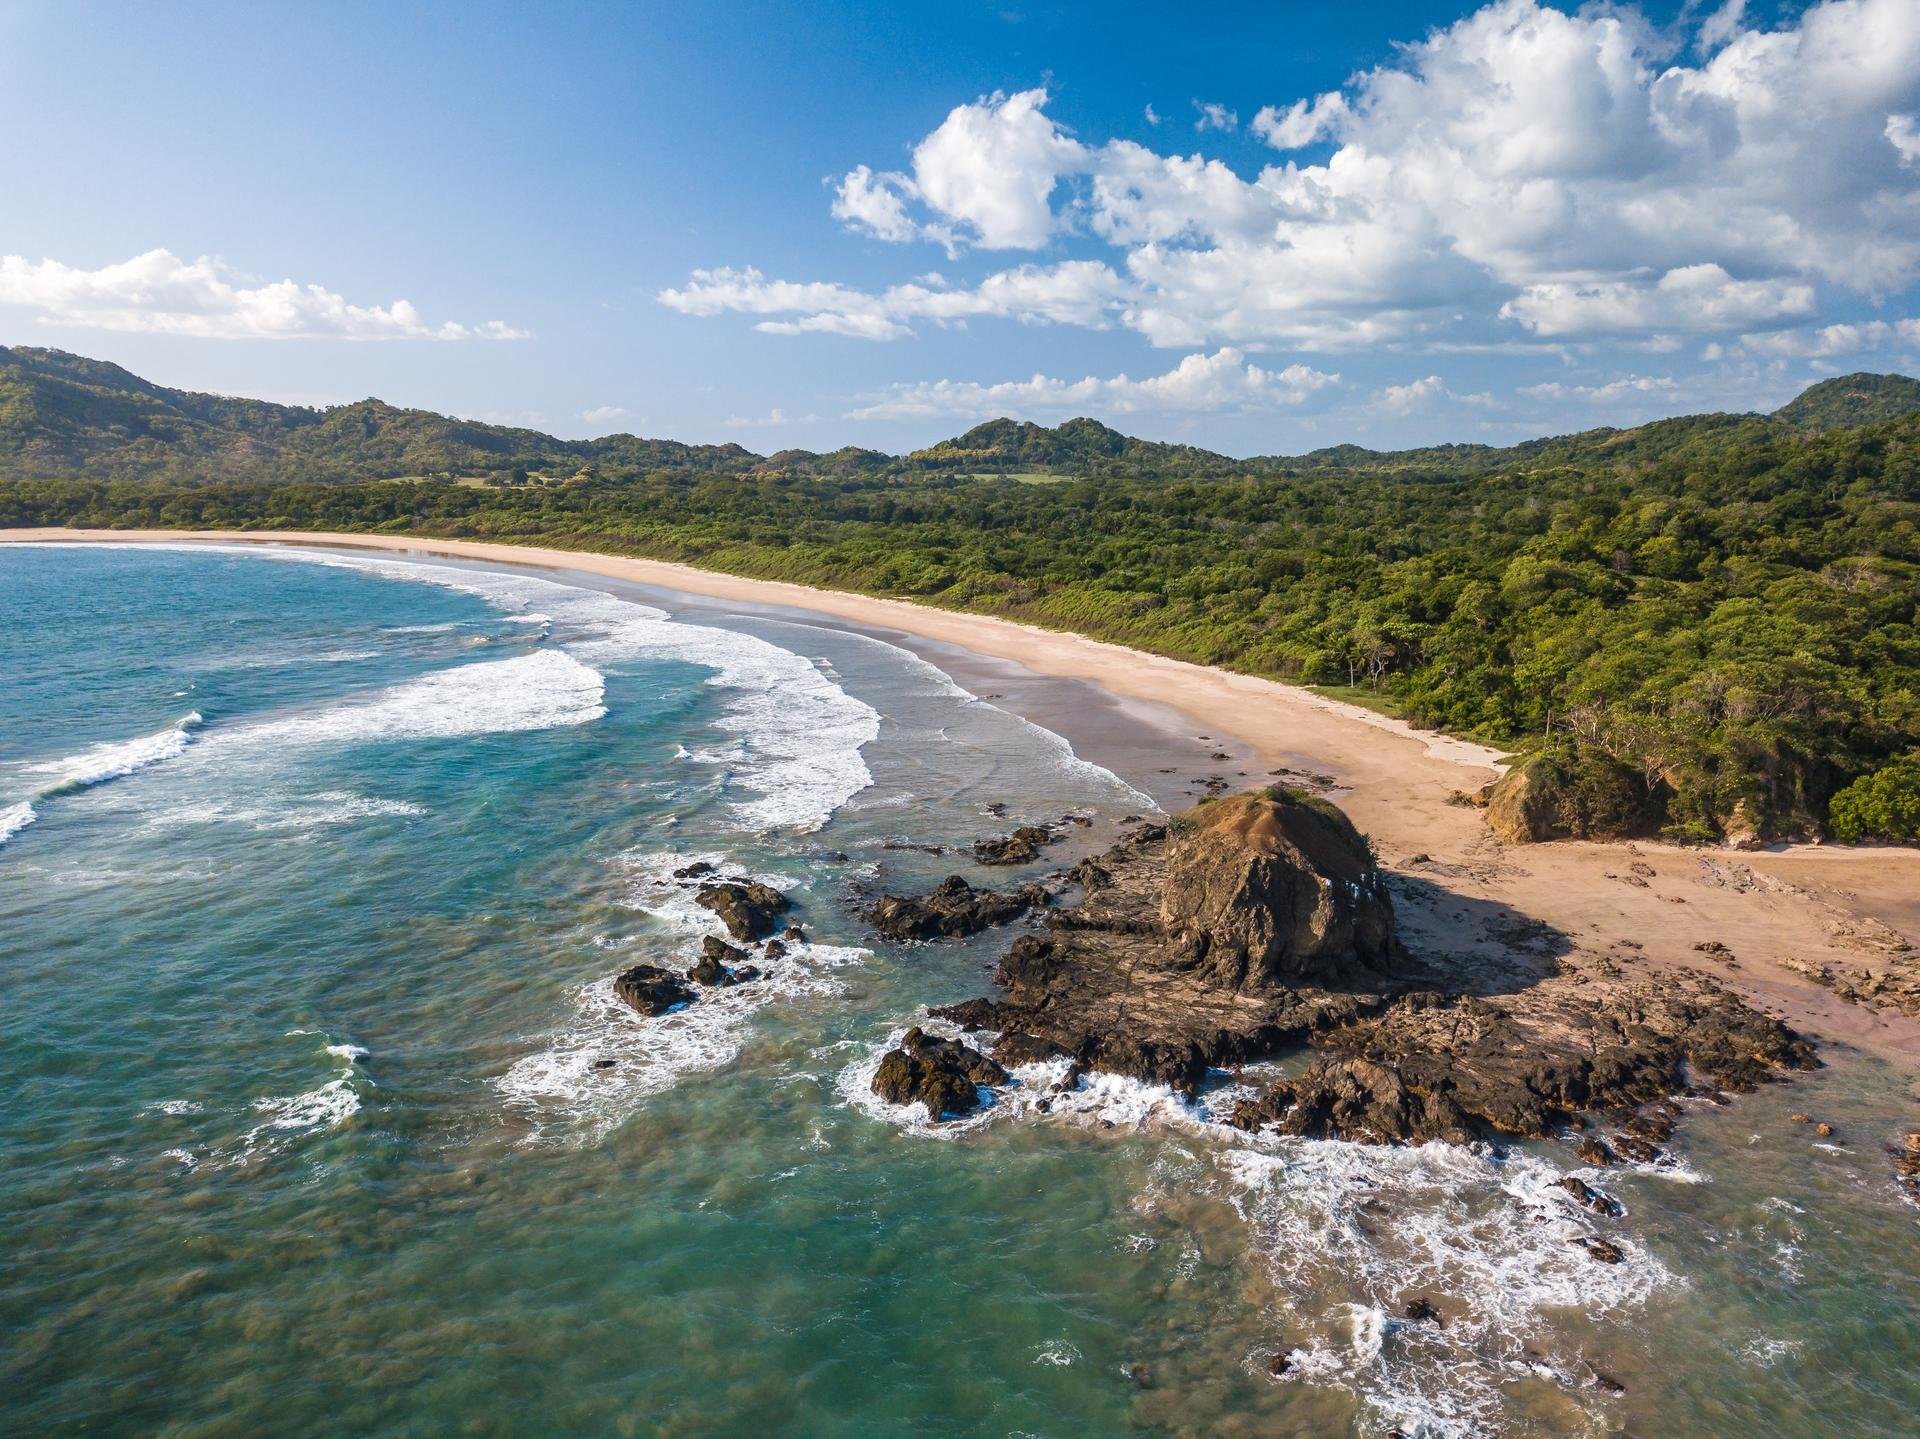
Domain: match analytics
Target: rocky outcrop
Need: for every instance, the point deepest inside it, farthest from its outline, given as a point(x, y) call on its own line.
point(1262, 891)
point(953, 909)
point(651, 989)
point(1906, 1165)
point(1437, 1066)
point(720, 964)
point(943, 1074)
point(1354, 1099)
point(1161, 979)
point(1571, 791)
point(1258, 925)
point(749, 909)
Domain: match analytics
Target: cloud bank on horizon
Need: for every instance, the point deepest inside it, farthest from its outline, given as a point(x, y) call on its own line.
point(160, 293)
point(1522, 181)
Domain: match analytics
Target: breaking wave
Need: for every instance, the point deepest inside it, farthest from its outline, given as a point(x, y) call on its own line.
point(795, 735)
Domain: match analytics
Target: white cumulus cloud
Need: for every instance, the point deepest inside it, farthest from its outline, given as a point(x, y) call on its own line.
point(160, 293)
point(1222, 381)
point(1522, 175)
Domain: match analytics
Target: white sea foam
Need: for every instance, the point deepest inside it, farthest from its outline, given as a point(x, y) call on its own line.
point(276, 811)
point(97, 764)
point(14, 818)
point(291, 1116)
point(114, 759)
point(565, 1092)
point(1486, 1234)
point(547, 689)
point(1058, 748)
point(174, 1107)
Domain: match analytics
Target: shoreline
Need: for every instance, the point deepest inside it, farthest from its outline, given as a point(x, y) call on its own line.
point(1780, 912)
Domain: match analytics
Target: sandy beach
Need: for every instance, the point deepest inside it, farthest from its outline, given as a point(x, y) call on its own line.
point(1782, 913)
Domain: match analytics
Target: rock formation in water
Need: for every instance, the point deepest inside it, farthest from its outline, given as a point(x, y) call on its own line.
point(1258, 924)
point(953, 909)
point(651, 989)
point(1023, 846)
point(749, 909)
point(943, 1074)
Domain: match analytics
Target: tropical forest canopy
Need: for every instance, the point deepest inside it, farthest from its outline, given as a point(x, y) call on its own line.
point(1702, 623)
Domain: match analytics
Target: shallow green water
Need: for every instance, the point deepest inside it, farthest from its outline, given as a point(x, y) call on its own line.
point(304, 1134)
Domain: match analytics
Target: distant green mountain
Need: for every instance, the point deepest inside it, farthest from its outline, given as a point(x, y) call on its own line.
point(64, 416)
point(1852, 400)
point(1081, 445)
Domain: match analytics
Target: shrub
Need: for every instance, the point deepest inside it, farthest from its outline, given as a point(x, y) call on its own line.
point(1881, 805)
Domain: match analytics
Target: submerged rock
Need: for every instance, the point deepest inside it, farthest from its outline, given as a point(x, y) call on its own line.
point(750, 910)
point(1023, 846)
point(943, 1074)
point(651, 989)
point(953, 909)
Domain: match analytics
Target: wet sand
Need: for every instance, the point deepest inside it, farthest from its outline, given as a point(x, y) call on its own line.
point(1644, 905)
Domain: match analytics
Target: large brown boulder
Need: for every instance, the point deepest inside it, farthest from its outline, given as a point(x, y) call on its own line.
point(1264, 890)
point(1518, 812)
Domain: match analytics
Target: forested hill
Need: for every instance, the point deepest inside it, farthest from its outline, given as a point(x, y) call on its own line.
point(64, 417)
point(1705, 627)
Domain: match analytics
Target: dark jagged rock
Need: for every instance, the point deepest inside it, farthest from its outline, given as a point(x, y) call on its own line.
point(943, 1074)
point(776, 949)
point(1587, 1197)
point(1023, 846)
point(1906, 1165)
point(1354, 1099)
point(1018, 1049)
point(693, 871)
point(953, 909)
point(651, 989)
point(711, 973)
point(1421, 1311)
point(715, 948)
point(749, 909)
point(1604, 1250)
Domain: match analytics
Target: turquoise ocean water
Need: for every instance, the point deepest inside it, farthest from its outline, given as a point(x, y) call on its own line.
point(315, 874)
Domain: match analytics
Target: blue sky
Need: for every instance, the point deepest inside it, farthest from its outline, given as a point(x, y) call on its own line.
point(1260, 228)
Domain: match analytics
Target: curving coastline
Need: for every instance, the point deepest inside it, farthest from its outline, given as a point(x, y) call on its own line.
point(1820, 936)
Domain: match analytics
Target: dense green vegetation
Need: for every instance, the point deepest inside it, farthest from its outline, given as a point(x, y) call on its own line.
point(1882, 805)
point(1706, 622)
